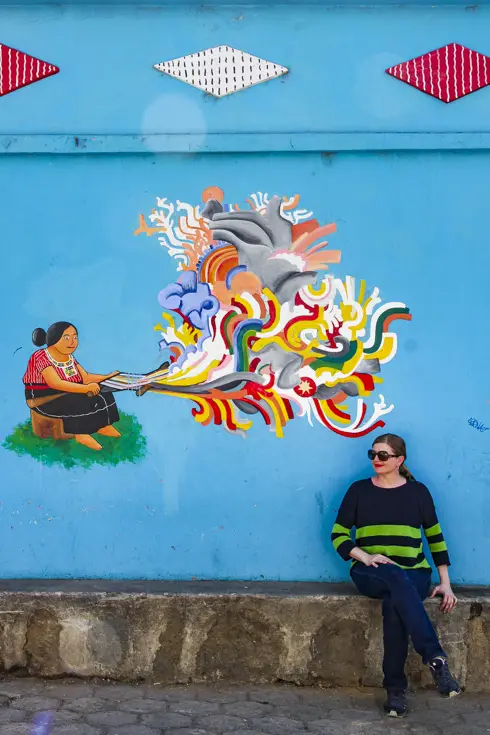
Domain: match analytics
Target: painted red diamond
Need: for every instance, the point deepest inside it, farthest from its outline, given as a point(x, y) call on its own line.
point(18, 69)
point(447, 73)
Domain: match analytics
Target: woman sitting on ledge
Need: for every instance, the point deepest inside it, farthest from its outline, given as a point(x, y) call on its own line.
point(388, 511)
point(57, 387)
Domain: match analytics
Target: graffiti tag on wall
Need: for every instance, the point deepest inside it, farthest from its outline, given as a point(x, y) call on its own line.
point(478, 425)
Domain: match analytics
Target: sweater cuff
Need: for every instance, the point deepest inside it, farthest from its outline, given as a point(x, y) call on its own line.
point(441, 558)
point(344, 550)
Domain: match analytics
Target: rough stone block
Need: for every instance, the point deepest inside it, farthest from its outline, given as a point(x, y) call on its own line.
point(166, 662)
point(221, 722)
point(319, 697)
point(13, 633)
point(175, 694)
point(36, 704)
point(42, 645)
point(194, 708)
point(478, 645)
point(278, 725)
point(18, 687)
point(322, 634)
point(108, 719)
point(11, 715)
point(303, 712)
point(326, 727)
point(67, 691)
point(242, 644)
point(142, 706)
point(66, 717)
point(18, 728)
point(118, 692)
point(339, 652)
point(88, 644)
point(223, 696)
point(247, 709)
point(76, 729)
point(85, 704)
point(167, 720)
point(268, 695)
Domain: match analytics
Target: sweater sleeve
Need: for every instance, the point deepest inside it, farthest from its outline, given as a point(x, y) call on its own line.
point(432, 530)
point(346, 519)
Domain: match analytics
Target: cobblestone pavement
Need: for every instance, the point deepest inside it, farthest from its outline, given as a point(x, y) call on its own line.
point(78, 708)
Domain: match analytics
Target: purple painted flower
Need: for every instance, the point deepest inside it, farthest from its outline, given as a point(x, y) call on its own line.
point(191, 299)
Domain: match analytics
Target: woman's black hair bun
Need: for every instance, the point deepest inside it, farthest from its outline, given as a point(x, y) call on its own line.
point(39, 337)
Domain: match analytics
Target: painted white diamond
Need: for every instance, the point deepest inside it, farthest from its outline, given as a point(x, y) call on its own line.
point(221, 70)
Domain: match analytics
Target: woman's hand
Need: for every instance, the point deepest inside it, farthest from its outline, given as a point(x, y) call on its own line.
point(373, 560)
point(369, 560)
point(449, 600)
point(92, 388)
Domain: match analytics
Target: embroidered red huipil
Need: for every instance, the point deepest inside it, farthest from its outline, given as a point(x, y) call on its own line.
point(39, 361)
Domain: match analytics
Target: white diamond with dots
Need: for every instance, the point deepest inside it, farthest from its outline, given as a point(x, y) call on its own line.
point(221, 70)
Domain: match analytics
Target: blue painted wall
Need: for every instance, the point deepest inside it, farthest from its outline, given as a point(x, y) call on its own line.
point(337, 60)
point(204, 503)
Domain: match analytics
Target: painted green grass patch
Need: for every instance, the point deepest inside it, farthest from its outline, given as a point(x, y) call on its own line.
point(130, 447)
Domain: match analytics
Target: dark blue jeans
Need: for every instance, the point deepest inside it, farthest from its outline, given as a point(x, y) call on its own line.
point(404, 615)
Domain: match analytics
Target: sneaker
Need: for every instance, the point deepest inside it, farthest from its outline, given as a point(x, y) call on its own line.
point(446, 684)
point(396, 704)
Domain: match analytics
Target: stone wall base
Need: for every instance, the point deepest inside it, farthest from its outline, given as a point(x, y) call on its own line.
point(308, 634)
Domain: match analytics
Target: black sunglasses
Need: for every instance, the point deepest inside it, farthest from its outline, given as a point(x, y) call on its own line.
point(382, 456)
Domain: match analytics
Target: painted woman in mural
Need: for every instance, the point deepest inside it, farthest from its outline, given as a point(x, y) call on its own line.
point(66, 401)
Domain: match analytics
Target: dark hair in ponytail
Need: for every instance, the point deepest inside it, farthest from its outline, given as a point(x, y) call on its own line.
point(52, 336)
point(397, 444)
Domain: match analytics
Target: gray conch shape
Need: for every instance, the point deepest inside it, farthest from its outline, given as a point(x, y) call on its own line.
point(257, 237)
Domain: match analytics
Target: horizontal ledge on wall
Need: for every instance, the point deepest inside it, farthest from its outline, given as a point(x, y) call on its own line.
point(240, 143)
point(254, 3)
point(328, 3)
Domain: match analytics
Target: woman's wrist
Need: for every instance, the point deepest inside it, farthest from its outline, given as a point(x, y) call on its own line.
point(359, 555)
point(444, 574)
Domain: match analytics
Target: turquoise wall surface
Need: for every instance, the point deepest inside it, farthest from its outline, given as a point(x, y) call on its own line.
point(403, 176)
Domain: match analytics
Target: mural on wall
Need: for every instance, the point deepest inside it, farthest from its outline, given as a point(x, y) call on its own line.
point(68, 406)
point(221, 70)
point(254, 326)
point(447, 73)
point(66, 402)
point(18, 69)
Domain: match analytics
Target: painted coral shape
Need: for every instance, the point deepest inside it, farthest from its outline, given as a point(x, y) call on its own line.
point(221, 70)
point(448, 73)
point(18, 69)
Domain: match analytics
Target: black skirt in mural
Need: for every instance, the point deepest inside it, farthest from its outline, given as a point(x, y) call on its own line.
point(80, 413)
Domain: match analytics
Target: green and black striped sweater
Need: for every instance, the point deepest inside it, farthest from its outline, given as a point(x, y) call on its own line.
point(389, 521)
